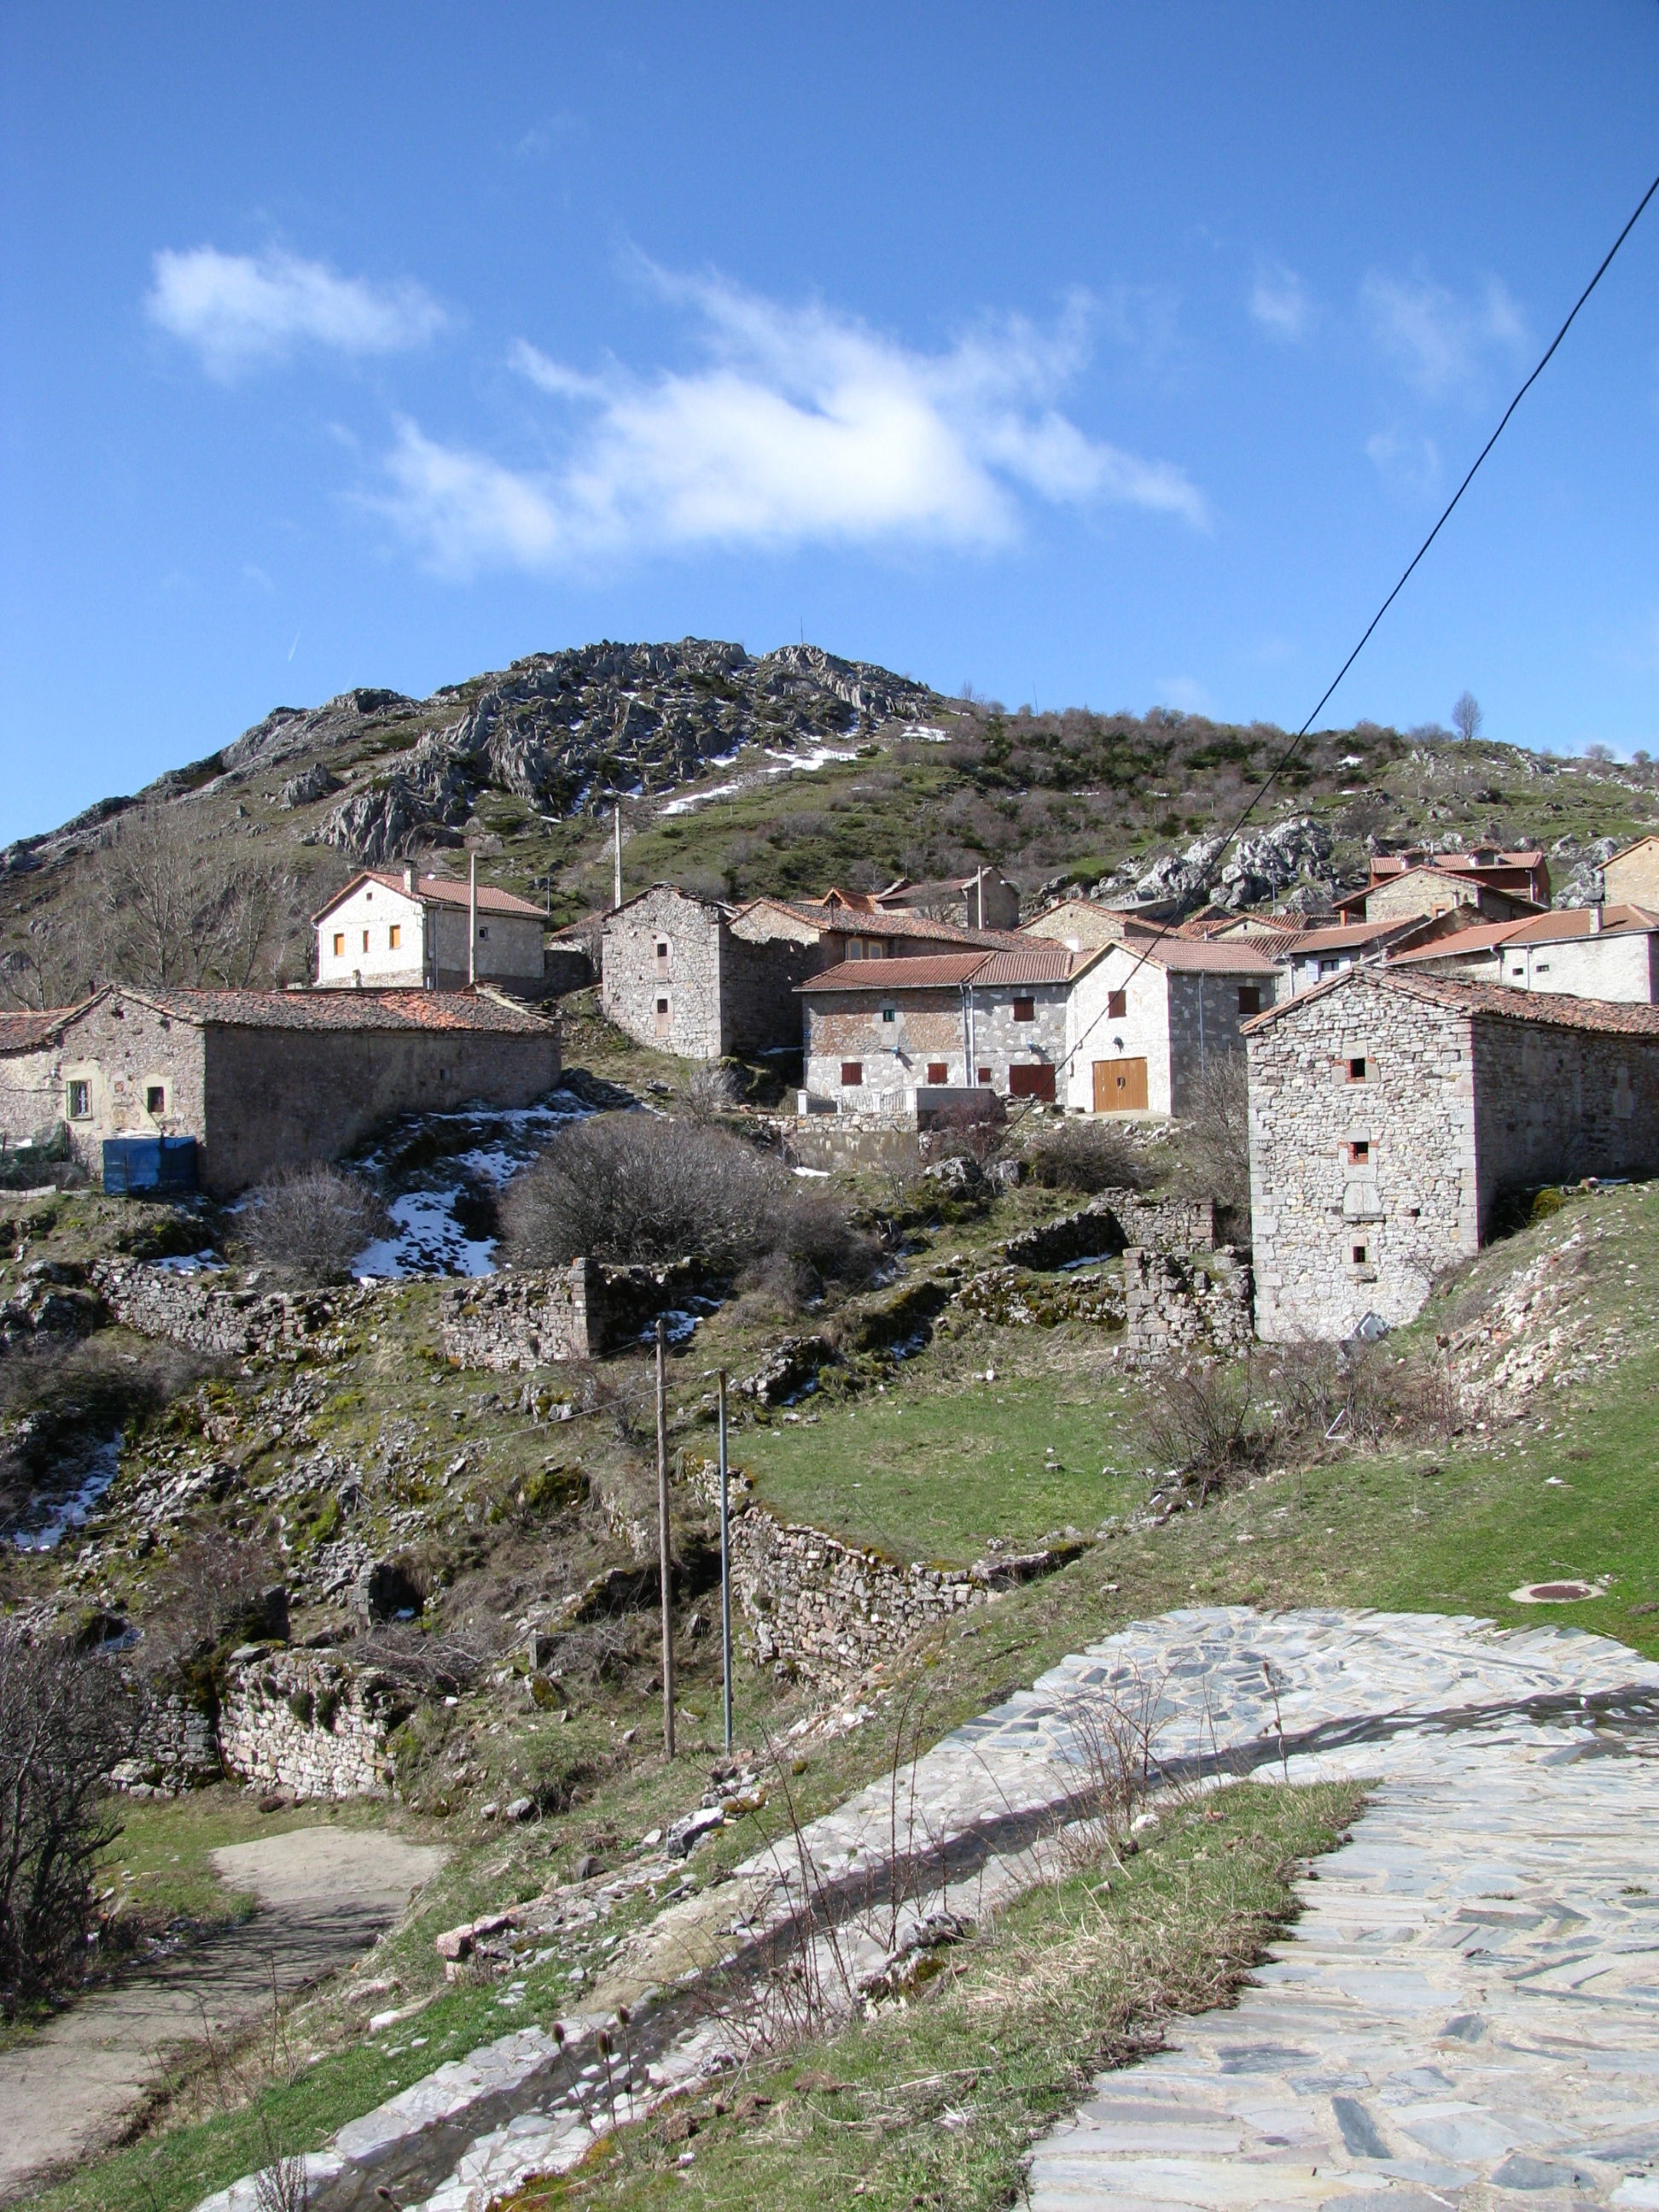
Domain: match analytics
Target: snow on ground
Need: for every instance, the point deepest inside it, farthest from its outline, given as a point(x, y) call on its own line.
point(815, 757)
point(63, 1514)
point(438, 1171)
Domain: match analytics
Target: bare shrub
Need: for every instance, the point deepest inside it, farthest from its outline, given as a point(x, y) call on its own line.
point(64, 1721)
point(714, 1089)
point(312, 1222)
point(1115, 1728)
point(630, 1188)
point(1213, 1158)
point(1206, 1421)
point(1084, 1156)
point(958, 1133)
point(1360, 1395)
point(215, 1587)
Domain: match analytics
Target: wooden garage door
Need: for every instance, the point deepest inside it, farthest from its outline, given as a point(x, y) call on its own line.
point(1036, 1082)
point(1119, 1086)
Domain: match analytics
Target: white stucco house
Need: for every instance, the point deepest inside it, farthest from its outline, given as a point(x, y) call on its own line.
point(1146, 1020)
point(397, 931)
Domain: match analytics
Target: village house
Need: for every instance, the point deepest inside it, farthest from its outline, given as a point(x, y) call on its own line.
point(1084, 924)
point(1313, 955)
point(263, 1080)
point(1589, 952)
point(701, 977)
point(1389, 1112)
point(985, 900)
point(398, 931)
point(1149, 1018)
point(1632, 873)
point(1434, 888)
point(1524, 875)
point(878, 1031)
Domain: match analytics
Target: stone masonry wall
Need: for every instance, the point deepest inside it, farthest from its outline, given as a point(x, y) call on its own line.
point(1172, 1306)
point(212, 1313)
point(512, 1322)
point(632, 979)
point(311, 1722)
point(1110, 1222)
point(1553, 1105)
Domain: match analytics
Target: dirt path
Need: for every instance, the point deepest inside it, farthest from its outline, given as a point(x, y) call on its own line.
point(324, 1894)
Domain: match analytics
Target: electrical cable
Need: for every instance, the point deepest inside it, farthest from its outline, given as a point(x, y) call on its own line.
point(1156, 930)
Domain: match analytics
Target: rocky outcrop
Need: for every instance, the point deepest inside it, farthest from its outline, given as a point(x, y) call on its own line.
point(790, 1367)
point(558, 728)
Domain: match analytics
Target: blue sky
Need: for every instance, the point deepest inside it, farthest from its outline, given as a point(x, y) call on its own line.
point(1089, 353)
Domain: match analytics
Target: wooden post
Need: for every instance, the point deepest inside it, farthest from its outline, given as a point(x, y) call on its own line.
point(665, 1555)
point(472, 918)
point(615, 855)
point(725, 1574)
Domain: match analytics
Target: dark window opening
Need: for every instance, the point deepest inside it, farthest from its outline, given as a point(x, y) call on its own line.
point(890, 1013)
point(1359, 1255)
point(80, 1101)
point(483, 929)
point(1024, 1010)
point(1359, 1152)
point(985, 1075)
point(1250, 998)
point(155, 1098)
point(938, 1072)
point(1357, 1071)
point(852, 1074)
point(1117, 1005)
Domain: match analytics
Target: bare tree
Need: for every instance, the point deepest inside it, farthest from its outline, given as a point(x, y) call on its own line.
point(1467, 717)
point(1215, 1160)
point(66, 1719)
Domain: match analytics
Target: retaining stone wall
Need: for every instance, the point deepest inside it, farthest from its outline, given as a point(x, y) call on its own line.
point(1112, 1221)
point(514, 1321)
point(1171, 1305)
point(312, 1723)
point(176, 1746)
point(212, 1313)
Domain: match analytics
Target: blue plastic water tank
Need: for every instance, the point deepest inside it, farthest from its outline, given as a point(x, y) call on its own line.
point(148, 1164)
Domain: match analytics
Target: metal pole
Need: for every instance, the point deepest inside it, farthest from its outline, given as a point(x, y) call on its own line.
point(471, 917)
point(726, 1572)
point(665, 1558)
point(616, 831)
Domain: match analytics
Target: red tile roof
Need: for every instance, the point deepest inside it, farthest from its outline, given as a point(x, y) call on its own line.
point(1541, 1009)
point(1537, 929)
point(437, 891)
point(851, 921)
point(471, 1011)
point(1207, 957)
point(27, 1032)
point(1012, 966)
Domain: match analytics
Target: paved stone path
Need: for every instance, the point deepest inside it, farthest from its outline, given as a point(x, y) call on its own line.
point(325, 1893)
point(1514, 1780)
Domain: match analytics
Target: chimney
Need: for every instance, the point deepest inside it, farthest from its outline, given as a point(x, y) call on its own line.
point(409, 878)
point(1596, 920)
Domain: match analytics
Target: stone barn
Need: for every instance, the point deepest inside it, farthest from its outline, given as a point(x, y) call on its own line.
point(1389, 1112)
point(265, 1079)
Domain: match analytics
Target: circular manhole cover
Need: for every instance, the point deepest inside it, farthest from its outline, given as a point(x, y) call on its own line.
point(1555, 1593)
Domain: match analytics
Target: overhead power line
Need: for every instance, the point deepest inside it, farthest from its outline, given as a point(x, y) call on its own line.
point(1289, 755)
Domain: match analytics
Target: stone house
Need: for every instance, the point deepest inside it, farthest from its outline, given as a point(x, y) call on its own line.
point(985, 900)
point(1150, 1018)
point(398, 931)
point(1433, 888)
point(700, 977)
point(876, 1031)
point(265, 1079)
point(1524, 874)
point(1632, 873)
point(1313, 955)
point(1082, 924)
point(1389, 1112)
point(1588, 952)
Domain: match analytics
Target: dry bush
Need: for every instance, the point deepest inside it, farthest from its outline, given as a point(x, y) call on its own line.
point(312, 1222)
point(1086, 1155)
point(630, 1188)
point(1360, 1396)
point(64, 1721)
point(1206, 1421)
point(716, 1088)
point(215, 1588)
point(958, 1133)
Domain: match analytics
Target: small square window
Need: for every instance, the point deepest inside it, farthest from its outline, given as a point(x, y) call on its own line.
point(1359, 1251)
point(985, 1075)
point(1117, 1005)
point(80, 1101)
point(890, 1013)
point(662, 1005)
point(1359, 1152)
point(852, 1074)
point(1249, 999)
point(339, 944)
point(662, 948)
point(483, 929)
point(938, 1071)
point(394, 936)
point(1024, 1010)
point(155, 1098)
point(1359, 1070)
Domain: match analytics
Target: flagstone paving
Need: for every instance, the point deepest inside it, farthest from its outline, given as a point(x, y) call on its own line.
point(1469, 2006)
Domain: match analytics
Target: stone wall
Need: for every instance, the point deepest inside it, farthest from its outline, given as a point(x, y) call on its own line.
point(213, 1313)
point(1552, 1105)
point(312, 1723)
point(514, 1322)
point(175, 1747)
point(1171, 1305)
point(1109, 1222)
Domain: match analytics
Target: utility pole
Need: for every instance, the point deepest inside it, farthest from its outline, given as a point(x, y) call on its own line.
point(665, 1558)
point(725, 1573)
point(615, 853)
point(471, 917)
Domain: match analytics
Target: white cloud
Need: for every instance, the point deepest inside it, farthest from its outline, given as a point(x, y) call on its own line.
point(1441, 344)
point(802, 426)
point(1408, 463)
point(238, 310)
point(1280, 302)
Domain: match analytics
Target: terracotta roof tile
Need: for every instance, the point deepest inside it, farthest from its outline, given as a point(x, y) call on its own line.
point(468, 1009)
point(857, 923)
point(1541, 1009)
point(437, 891)
point(27, 1032)
point(932, 972)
